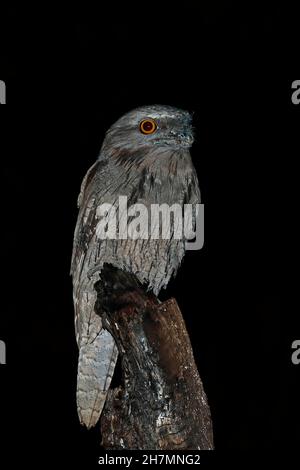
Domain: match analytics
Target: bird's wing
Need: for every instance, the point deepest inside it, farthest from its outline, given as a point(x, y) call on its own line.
point(97, 349)
point(192, 198)
point(193, 189)
point(86, 218)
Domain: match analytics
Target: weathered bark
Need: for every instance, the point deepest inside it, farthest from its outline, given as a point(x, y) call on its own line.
point(163, 404)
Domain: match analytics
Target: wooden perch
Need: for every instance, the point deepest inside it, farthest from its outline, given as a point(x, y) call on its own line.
point(163, 404)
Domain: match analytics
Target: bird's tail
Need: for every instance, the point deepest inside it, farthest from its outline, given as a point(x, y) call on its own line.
point(96, 365)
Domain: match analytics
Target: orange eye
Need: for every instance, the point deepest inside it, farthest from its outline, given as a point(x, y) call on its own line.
point(148, 126)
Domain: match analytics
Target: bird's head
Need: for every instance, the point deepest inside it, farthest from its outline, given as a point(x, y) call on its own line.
point(153, 127)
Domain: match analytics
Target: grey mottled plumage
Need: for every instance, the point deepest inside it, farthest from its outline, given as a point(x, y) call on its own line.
point(147, 168)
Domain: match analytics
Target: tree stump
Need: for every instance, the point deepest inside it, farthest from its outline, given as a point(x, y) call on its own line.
point(162, 405)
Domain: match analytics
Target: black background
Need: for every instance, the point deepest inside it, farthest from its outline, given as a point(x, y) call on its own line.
point(69, 77)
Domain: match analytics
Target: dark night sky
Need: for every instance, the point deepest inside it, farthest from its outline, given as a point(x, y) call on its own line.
point(68, 79)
